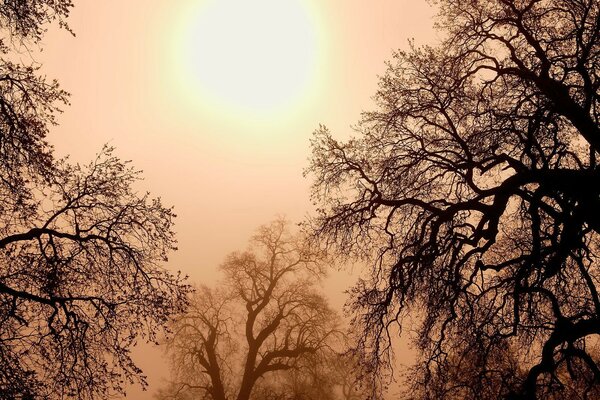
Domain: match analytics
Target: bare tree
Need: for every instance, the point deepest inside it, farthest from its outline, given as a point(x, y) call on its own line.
point(473, 190)
point(335, 376)
point(474, 375)
point(354, 383)
point(81, 279)
point(311, 379)
point(23, 21)
point(265, 317)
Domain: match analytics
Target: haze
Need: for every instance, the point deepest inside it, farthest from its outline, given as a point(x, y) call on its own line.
point(228, 159)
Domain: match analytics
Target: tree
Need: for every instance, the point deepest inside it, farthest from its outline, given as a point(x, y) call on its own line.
point(311, 378)
point(81, 251)
point(473, 376)
point(264, 319)
point(353, 384)
point(472, 190)
point(334, 377)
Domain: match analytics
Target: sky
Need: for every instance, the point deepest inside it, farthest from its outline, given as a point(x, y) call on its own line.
point(216, 100)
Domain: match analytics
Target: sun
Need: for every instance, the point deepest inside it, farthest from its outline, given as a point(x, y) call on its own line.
point(257, 55)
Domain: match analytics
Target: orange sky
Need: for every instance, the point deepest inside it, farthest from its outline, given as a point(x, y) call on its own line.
point(226, 169)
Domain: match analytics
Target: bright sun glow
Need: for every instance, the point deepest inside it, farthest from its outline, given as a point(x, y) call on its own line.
point(257, 55)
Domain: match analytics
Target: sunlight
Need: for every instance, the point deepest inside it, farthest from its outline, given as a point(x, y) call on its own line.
point(255, 55)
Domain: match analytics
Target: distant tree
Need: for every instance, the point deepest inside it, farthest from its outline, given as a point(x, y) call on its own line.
point(352, 381)
point(265, 319)
point(334, 377)
point(474, 191)
point(312, 378)
point(81, 279)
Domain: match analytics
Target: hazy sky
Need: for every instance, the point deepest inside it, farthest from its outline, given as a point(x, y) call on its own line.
point(215, 100)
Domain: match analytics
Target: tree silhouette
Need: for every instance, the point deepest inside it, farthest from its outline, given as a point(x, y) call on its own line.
point(81, 279)
point(333, 376)
point(266, 317)
point(311, 378)
point(23, 21)
point(473, 190)
point(468, 375)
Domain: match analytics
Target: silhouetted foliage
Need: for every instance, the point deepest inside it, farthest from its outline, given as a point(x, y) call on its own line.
point(474, 375)
point(23, 21)
point(474, 190)
point(80, 248)
point(261, 329)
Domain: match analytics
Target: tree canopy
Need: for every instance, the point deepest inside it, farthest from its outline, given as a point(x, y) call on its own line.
point(265, 332)
point(473, 191)
point(81, 250)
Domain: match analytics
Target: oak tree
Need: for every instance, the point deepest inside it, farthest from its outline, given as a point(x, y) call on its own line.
point(265, 318)
point(334, 376)
point(81, 249)
point(474, 374)
point(472, 190)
